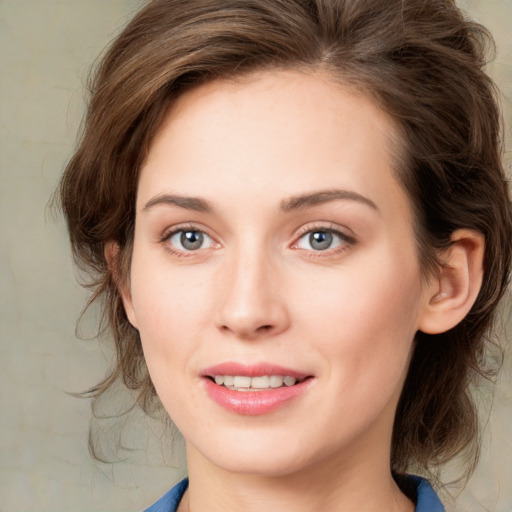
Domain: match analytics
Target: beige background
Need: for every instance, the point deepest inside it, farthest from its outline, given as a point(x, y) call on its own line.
point(47, 47)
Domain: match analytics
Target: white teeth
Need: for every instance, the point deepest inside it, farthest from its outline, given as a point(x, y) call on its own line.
point(244, 383)
point(260, 382)
point(276, 381)
point(289, 381)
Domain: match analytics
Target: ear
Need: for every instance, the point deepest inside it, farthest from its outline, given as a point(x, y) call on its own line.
point(113, 257)
point(453, 292)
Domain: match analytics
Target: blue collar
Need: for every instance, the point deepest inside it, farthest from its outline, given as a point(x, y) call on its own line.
point(426, 498)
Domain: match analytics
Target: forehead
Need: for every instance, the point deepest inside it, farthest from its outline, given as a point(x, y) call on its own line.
point(272, 135)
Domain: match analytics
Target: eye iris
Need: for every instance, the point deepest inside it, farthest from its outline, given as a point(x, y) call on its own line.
point(320, 240)
point(191, 240)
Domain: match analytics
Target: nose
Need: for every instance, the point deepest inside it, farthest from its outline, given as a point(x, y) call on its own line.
point(251, 302)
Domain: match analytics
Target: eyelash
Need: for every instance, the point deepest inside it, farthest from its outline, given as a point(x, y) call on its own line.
point(346, 241)
point(165, 239)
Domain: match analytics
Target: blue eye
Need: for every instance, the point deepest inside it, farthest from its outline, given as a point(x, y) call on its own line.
point(321, 240)
point(190, 240)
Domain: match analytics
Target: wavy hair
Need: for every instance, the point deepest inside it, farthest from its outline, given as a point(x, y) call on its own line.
point(421, 61)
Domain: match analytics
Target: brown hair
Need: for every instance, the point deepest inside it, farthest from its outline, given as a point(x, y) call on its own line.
point(420, 60)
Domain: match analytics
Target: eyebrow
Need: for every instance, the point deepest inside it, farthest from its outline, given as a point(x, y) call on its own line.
point(188, 203)
point(293, 203)
point(324, 196)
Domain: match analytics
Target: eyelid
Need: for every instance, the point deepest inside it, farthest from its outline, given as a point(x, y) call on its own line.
point(345, 232)
point(186, 226)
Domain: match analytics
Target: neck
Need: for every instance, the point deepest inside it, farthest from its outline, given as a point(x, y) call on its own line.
point(331, 486)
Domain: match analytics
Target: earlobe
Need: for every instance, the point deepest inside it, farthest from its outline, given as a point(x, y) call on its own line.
point(453, 292)
point(113, 257)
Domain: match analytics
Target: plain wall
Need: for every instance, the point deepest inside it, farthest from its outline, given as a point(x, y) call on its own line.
point(47, 47)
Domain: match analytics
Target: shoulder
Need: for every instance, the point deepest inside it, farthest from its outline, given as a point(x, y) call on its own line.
point(169, 502)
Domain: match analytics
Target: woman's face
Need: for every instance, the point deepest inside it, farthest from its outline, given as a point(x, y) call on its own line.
point(273, 245)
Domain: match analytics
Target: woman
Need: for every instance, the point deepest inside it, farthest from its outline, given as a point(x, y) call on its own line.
point(297, 215)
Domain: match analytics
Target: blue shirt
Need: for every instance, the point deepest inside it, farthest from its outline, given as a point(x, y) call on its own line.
point(426, 498)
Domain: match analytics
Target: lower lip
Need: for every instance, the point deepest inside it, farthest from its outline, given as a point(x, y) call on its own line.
point(254, 403)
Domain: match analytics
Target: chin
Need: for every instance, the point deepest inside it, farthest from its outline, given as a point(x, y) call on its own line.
point(281, 467)
point(262, 455)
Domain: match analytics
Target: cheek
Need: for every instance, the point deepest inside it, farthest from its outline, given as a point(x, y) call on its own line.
point(170, 308)
point(167, 306)
point(364, 321)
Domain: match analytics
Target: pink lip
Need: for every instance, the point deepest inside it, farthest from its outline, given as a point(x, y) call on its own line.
point(253, 403)
point(256, 370)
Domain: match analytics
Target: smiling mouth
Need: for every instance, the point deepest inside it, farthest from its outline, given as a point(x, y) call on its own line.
point(256, 389)
point(259, 383)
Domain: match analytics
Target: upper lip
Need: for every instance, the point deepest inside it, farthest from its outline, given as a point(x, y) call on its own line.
point(252, 370)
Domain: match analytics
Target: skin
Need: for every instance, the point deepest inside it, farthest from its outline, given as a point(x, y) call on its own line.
point(256, 290)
